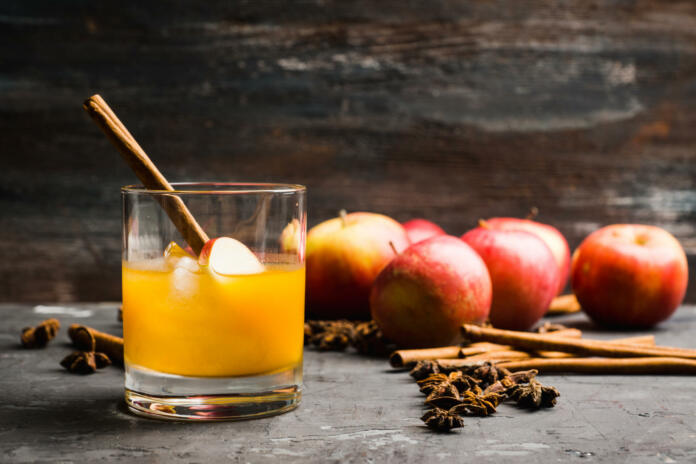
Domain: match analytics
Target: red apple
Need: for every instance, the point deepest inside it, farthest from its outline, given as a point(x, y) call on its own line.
point(549, 234)
point(629, 275)
point(344, 255)
point(523, 272)
point(421, 229)
point(228, 256)
point(426, 293)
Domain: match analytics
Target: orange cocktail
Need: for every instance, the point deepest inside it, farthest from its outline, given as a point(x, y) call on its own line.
point(188, 320)
point(213, 313)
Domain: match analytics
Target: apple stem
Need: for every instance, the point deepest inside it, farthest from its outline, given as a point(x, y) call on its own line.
point(483, 223)
point(342, 214)
point(393, 247)
point(533, 212)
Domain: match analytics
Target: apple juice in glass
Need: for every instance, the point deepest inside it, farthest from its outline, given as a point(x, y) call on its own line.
point(219, 335)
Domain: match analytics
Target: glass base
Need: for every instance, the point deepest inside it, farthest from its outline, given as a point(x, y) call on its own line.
point(174, 397)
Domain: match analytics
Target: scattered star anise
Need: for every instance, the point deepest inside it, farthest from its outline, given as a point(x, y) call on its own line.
point(329, 335)
point(39, 336)
point(437, 382)
point(443, 382)
point(445, 401)
point(488, 373)
point(440, 389)
point(442, 420)
point(312, 328)
point(369, 339)
point(462, 381)
point(424, 369)
point(85, 362)
point(477, 403)
point(507, 382)
point(533, 395)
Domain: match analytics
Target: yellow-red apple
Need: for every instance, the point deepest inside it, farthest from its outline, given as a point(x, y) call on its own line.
point(344, 255)
point(629, 275)
point(549, 234)
point(421, 229)
point(426, 293)
point(523, 272)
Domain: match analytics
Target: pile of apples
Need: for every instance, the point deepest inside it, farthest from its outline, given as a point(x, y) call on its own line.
point(420, 284)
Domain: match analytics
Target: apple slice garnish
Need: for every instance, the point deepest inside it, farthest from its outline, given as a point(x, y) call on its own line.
point(228, 256)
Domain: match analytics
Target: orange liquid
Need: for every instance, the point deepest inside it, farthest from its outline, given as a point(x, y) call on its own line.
point(197, 323)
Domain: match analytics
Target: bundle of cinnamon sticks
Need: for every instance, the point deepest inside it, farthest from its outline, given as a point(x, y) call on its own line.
point(562, 351)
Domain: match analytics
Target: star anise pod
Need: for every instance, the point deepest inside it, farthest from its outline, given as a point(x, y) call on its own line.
point(432, 382)
point(369, 339)
point(507, 382)
point(548, 327)
point(534, 395)
point(424, 369)
point(312, 328)
point(331, 335)
point(443, 401)
point(476, 403)
point(85, 362)
point(488, 373)
point(462, 381)
point(331, 341)
point(39, 336)
point(442, 420)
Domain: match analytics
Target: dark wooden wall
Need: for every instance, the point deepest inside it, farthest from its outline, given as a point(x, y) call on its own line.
point(449, 110)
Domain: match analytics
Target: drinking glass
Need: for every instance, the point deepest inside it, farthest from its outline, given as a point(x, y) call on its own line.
point(219, 335)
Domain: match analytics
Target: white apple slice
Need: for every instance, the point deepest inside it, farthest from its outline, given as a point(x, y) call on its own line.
point(228, 256)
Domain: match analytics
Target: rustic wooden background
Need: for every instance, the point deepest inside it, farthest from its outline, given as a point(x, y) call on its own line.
point(449, 110)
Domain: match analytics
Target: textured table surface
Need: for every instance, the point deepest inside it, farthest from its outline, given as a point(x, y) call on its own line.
point(354, 409)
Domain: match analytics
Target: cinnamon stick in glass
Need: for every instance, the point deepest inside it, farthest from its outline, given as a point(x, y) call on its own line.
point(146, 171)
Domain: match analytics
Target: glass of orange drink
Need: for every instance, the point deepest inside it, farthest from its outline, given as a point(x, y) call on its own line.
point(214, 335)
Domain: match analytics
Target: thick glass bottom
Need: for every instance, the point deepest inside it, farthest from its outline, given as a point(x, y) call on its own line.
point(174, 397)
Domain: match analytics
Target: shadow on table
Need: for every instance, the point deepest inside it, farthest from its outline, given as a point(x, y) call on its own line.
point(95, 413)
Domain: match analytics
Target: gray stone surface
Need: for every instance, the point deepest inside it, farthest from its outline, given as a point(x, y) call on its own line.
point(354, 409)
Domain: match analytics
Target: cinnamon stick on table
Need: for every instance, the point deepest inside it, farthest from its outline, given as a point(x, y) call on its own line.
point(511, 354)
point(646, 340)
point(635, 366)
point(86, 338)
point(403, 358)
point(582, 347)
point(146, 171)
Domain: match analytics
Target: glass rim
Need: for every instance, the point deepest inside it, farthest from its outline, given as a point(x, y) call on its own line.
point(217, 188)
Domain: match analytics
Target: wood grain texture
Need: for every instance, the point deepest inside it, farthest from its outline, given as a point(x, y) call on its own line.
point(446, 110)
